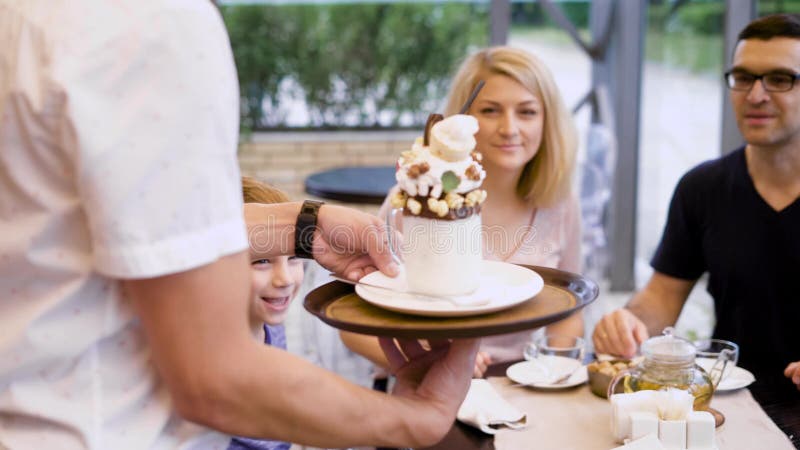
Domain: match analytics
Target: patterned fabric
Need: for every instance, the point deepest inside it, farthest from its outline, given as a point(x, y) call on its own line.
point(119, 128)
point(274, 335)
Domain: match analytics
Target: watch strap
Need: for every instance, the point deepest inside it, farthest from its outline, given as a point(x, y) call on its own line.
point(304, 229)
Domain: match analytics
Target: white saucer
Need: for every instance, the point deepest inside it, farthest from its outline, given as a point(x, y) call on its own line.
point(502, 286)
point(540, 372)
point(735, 378)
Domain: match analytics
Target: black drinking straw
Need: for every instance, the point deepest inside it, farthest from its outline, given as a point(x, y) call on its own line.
point(472, 97)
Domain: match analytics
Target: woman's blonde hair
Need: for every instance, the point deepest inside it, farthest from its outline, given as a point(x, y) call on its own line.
point(547, 178)
point(255, 191)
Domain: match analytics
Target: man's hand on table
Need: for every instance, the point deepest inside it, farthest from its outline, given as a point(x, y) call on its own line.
point(792, 372)
point(619, 333)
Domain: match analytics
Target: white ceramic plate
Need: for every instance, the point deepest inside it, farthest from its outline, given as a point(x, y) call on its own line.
point(735, 377)
point(540, 372)
point(502, 286)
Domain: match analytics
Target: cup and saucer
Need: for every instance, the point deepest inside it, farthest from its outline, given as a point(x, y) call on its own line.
point(501, 285)
point(552, 361)
point(549, 372)
point(733, 376)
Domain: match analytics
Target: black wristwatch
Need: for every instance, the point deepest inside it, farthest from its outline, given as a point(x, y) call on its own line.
point(304, 229)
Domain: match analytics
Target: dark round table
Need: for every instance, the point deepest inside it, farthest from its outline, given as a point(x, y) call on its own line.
point(367, 184)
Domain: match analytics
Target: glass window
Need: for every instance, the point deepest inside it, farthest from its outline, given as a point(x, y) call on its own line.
point(533, 30)
point(765, 7)
point(680, 108)
point(681, 114)
point(351, 64)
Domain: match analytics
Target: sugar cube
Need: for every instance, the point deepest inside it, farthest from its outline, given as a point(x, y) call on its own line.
point(643, 423)
point(672, 434)
point(700, 431)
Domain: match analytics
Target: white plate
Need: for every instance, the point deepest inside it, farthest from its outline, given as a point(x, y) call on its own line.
point(540, 372)
point(502, 286)
point(735, 378)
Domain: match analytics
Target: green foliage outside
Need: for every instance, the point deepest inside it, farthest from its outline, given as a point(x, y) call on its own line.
point(387, 65)
point(689, 34)
point(531, 13)
point(354, 65)
point(686, 36)
point(778, 6)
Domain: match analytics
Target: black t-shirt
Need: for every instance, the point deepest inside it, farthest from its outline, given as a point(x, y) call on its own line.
point(718, 223)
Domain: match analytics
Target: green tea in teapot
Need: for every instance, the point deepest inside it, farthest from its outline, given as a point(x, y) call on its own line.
point(669, 362)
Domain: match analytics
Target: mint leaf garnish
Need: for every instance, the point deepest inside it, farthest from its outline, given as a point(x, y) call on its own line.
point(450, 181)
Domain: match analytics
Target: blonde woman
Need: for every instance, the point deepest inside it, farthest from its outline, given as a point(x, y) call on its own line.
point(528, 142)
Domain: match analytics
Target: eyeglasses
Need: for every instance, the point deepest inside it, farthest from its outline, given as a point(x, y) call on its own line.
point(772, 82)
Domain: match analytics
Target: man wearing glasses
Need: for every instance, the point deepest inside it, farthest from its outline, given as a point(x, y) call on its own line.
point(737, 218)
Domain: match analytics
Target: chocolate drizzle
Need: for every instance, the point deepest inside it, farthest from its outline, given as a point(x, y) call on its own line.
point(432, 119)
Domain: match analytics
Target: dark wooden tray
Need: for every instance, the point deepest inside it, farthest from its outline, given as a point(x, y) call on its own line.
point(564, 293)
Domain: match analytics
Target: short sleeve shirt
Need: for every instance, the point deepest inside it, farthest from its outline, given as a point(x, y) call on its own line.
point(718, 223)
point(118, 133)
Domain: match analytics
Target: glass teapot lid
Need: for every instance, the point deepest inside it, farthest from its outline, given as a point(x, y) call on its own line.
point(669, 348)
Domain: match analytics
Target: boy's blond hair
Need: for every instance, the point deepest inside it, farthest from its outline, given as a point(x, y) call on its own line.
point(255, 191)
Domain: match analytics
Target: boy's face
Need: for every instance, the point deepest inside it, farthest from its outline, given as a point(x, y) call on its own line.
point(275, 283)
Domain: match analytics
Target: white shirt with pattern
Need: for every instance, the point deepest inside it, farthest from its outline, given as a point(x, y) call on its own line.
point(118, 132)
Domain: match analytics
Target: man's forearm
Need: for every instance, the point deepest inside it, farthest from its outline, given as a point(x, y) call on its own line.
point(659, 304)
point(270, 228)
point(281, 396)
point(219, 376)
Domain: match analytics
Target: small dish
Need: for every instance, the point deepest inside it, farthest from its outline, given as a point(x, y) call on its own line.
point(601, 372)
point(540, 372)
point(735, 378)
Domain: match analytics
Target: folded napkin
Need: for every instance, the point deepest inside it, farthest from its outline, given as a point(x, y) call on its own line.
point(483, 408)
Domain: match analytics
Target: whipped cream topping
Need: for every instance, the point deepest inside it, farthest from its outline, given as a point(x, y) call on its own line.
point(453, 139)
point(429, 183)
point(423, 170)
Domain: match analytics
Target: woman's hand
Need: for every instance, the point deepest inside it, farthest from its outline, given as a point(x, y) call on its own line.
point(482, 362)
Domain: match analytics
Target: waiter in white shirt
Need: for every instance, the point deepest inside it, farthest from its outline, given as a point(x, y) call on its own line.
point(124, 279)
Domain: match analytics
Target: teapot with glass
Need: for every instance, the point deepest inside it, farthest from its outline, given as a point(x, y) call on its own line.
point(669, 362)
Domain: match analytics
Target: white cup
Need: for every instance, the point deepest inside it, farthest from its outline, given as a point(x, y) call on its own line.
point(441, 257)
